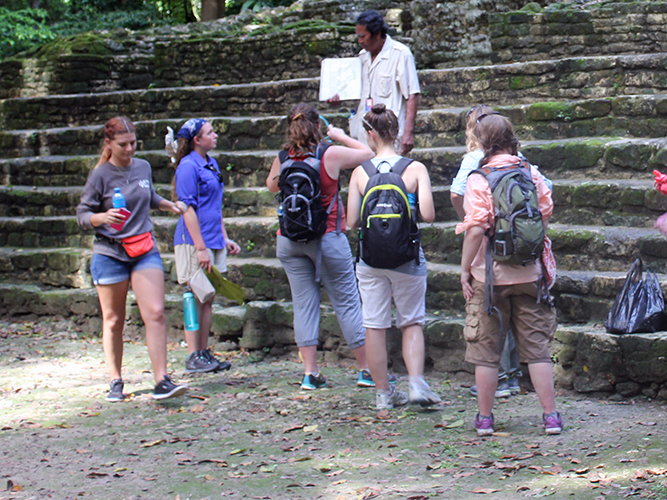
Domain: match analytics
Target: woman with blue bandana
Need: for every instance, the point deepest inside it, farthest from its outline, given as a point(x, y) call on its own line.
point(200, 241)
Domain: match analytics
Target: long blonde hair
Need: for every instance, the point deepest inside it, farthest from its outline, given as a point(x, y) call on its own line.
point(472, 143)
point(115, 126)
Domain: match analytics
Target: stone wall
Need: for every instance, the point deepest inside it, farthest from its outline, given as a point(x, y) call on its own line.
point(232, 50)
point(285, 55)
point(74, 74)
point(613, 28)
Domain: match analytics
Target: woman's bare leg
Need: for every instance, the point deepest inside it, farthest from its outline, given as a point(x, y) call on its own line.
point(112, 300)
point(148, 286)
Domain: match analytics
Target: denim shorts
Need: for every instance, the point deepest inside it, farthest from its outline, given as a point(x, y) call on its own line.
point(109, 271)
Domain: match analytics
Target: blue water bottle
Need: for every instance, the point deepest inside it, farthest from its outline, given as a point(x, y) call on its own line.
point(118, 198)
point(190, 318)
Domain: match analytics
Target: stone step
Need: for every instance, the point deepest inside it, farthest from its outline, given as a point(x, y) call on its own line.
point(621, 116)
point(516, 83)
point(606, 28)
point(586, 358)
point(580, 296)
point(585, 158)
point(591, 248)
point(633, 203)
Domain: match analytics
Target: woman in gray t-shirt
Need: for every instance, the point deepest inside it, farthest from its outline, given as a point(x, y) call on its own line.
point(112, 267)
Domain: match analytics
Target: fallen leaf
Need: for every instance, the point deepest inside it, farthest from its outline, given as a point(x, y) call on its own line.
point(153, 443)
point(382, 415)
point(463, 474)
point(268, 468)
point(310, 428)
point(484, 490)
point(88, 414)
point(197, 408)
point(93, 475)
point(648, 424)
point(237, 451)
point(293, 428)
point(455, 424)
point(335, 473)
point(501, 434)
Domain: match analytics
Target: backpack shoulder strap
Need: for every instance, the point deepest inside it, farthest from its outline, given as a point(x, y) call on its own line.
point(400, 166)
point(369, 168)
point(321, 149)
point(283, 156)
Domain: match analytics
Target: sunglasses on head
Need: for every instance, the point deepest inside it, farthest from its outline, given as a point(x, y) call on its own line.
point(470, 111)
point(211, 169)
point(365, 122)
point(484, 115)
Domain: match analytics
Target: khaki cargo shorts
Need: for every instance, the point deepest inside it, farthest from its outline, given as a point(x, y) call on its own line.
point(533, 325)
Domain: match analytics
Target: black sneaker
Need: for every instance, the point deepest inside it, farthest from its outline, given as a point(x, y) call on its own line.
point(116, 392)
point(222, 365)
point(167, 389)
point(197, 362)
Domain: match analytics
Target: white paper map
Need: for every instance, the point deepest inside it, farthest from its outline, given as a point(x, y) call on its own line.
point(341, 76)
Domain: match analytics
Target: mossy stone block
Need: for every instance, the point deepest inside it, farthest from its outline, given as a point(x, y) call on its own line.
point(645, 356)
point(281, 314)
point(228, 320)
point(636, 156)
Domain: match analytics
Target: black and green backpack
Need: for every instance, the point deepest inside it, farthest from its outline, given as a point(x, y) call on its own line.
point(389, 234)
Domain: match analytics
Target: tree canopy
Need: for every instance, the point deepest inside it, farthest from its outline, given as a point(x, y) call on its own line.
point(28, 24)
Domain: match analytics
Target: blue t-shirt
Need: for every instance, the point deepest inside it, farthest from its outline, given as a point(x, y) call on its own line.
point(469, 163)
point(199, 185)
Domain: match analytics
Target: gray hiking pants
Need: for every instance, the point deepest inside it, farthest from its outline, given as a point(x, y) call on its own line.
point(337, 277)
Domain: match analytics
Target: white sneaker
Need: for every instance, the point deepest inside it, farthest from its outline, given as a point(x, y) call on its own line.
point(391, 400)
point(421, 394)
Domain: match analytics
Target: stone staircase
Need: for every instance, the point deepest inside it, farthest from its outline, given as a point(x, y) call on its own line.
point(595, 125)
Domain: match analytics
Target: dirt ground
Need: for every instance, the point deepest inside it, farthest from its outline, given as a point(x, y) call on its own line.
point(252, 433)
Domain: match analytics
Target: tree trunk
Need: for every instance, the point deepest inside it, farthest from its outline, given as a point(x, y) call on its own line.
point(212, 9)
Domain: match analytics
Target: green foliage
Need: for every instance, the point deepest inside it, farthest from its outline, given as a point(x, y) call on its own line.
point(22, 29)
point(236, 6)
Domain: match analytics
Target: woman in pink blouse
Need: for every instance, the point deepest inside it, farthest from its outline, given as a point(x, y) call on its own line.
point(517, 295)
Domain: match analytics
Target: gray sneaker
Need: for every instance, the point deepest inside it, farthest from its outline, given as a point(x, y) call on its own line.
point(116, 391)
point(515, 387)
point(209, 356)
point(421, 394)
point(391, 400)
point(502, 391)
point(197, 363)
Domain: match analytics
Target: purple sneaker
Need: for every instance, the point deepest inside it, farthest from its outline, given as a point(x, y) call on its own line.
point(553, 423)
point(484, 425)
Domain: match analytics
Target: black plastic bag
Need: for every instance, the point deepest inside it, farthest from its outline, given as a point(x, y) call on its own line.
point(640, 306)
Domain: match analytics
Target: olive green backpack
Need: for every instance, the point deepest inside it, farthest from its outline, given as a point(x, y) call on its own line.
point(518, 233)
